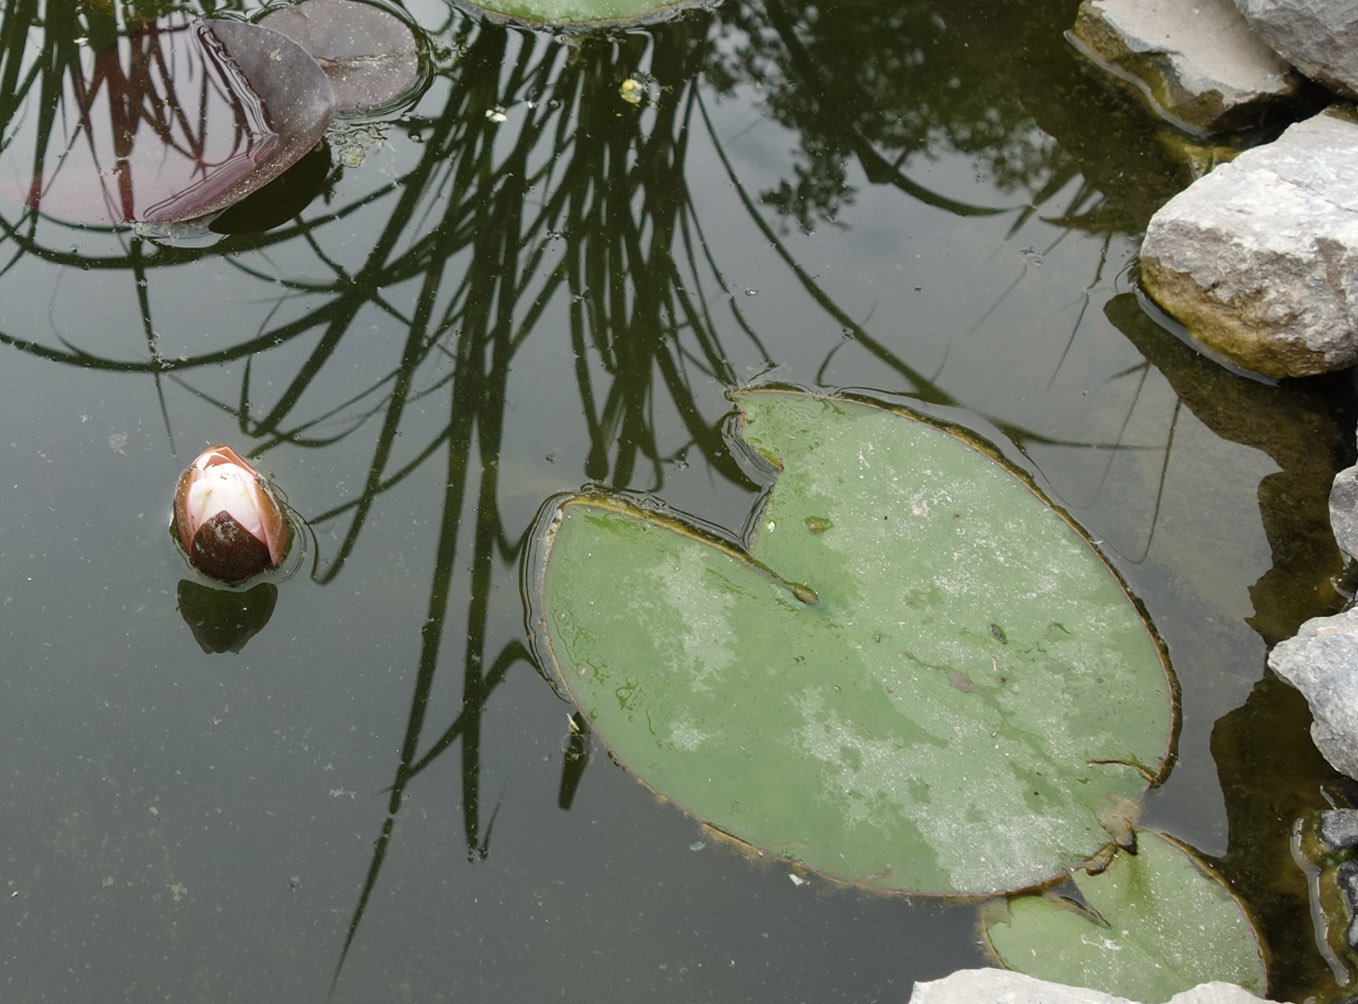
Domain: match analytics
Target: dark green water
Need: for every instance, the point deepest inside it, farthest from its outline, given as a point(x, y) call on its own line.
point(928, 201)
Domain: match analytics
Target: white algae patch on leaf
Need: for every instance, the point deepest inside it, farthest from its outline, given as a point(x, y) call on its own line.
point(921, 677)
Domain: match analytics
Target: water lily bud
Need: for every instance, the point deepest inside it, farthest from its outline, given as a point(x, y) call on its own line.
point(228, 519)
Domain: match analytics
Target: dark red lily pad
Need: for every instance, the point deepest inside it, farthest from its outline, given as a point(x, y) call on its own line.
point(371, 56)
point(280, 200)
point(176, 121)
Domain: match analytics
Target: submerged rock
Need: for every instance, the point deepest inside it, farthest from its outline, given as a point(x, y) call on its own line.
point(1320, 39)
point(983, 986)
point(1322, 662)
point(1259, 259)
point(1197, 66)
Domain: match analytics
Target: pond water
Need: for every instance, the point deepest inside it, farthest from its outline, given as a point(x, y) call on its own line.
point(517, 285)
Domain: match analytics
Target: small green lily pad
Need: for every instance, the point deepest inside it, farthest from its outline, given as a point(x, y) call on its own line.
point(1157, 923)
point(578, 12)
point(918, 677)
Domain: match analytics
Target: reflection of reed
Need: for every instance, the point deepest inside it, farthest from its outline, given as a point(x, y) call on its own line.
point(626, 303)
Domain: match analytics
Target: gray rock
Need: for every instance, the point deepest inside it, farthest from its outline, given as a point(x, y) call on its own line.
point(1338, 829)
point(1197, 65)
point(1344, 510)
point(1346, 878)
point(1259, 259)
point(1322, 662)
point(1000, 986)
point(1318, 37)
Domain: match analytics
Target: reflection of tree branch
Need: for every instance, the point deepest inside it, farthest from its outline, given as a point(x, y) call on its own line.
point(921, 386)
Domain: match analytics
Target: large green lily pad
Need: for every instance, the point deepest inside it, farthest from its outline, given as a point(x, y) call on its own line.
point(920, 676)
point(1155, 924)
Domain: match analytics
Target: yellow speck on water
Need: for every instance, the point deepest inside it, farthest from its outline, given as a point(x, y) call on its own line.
point(632, 91)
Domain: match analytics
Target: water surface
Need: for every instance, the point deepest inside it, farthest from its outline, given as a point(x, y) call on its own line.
point(519, 285)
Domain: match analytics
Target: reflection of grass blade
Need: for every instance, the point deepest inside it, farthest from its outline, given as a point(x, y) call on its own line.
point(575, 761)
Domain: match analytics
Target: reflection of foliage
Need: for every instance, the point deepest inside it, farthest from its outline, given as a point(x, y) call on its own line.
point(918, 94)
point(931, 85)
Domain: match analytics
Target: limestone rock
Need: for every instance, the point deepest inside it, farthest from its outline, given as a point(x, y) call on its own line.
point(1322, 662)
point(1196, 64)
point(1344, 510)
point(1337, 829)
point(1318, 37)
point(1000, 986)
point(1259, 259)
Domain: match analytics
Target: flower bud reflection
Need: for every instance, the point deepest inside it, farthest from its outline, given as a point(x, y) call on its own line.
point(223, 620)
point(227, 518)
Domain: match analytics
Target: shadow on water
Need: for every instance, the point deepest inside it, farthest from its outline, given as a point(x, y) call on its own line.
point(531, 207)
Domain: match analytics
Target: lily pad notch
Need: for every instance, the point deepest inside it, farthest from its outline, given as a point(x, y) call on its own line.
point(915, 675)
point(1152, 924)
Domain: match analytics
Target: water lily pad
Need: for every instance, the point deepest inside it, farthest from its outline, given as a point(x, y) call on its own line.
point(1155, 923)
point(917, 675)
point(370, 55)
point(173, 122)
point(577, 12)
point(280, 200)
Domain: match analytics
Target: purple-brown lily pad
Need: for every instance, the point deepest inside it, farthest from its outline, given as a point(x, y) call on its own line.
point(371, 55)
point(176, 121)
